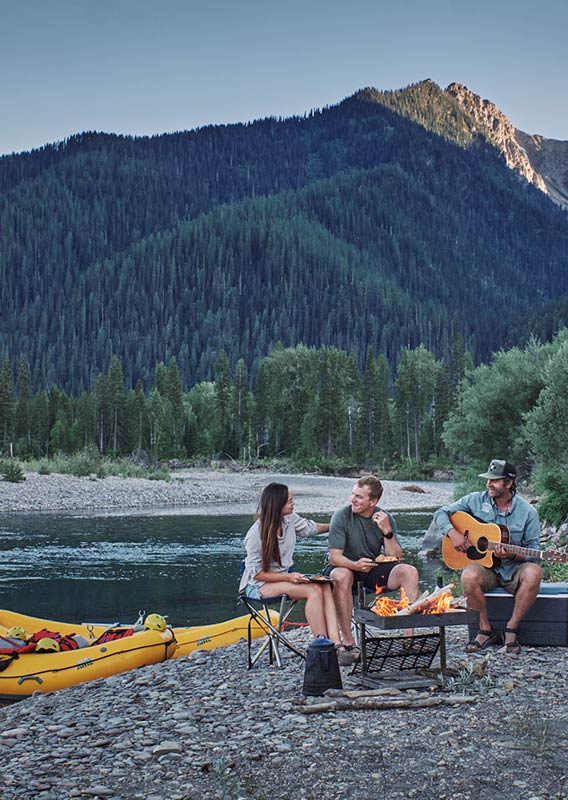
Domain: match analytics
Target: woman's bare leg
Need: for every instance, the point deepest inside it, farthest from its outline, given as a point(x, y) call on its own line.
point(331, 624)
point(309, 592)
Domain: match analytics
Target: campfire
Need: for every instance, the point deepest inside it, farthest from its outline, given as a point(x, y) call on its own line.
point(437, 602)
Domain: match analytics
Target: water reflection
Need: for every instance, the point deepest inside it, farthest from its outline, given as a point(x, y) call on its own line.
point(108, 569)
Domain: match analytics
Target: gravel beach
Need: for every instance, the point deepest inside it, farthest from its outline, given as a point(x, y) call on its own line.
point(195, 491)
point(205, 727)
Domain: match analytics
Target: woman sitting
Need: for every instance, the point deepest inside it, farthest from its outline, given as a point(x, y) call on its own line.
point(269, 545)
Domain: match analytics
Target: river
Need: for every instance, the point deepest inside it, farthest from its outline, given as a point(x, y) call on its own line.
point(81, 568)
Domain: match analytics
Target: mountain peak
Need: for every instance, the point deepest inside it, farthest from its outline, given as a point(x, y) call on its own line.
point(495, 126)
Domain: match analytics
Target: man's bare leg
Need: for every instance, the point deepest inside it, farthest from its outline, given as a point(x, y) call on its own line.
point(404, 576)
point(529, 584)
point(472, 580)
point(343, 598)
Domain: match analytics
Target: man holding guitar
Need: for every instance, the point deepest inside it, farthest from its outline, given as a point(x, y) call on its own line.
point(512, 568)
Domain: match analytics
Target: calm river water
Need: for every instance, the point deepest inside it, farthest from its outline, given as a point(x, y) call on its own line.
point(86, 568)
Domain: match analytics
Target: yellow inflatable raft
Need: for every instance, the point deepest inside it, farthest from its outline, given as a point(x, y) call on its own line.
point(50, 671)
point(207, 637)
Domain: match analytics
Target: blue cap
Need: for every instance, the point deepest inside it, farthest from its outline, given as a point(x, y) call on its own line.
point(321, 641)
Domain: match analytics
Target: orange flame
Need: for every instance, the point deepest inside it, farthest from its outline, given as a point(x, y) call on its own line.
point(387, 606)
point(442, 604)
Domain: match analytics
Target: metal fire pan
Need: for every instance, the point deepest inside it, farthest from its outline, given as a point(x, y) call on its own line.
point(415, 620)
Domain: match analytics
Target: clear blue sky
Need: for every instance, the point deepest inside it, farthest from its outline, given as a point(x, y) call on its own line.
point(141, 67)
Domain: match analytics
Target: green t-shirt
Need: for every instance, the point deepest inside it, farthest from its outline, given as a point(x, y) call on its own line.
point(357, 536)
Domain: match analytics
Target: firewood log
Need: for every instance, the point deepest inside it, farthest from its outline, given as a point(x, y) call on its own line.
point(424, 601)
point(377, 704)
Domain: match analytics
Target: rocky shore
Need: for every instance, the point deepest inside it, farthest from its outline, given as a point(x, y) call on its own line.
point(200, 491)
point(205, 727)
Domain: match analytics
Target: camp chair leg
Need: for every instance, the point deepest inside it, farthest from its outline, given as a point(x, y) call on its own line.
point(274, 634)
point(360, 601)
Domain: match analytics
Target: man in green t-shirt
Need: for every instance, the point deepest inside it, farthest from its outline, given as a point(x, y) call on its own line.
point(358, 534)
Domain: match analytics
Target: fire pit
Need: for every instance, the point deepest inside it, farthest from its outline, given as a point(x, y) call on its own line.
point(391, 655)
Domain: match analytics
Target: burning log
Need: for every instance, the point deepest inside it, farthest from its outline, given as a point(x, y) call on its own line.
point(435, 602)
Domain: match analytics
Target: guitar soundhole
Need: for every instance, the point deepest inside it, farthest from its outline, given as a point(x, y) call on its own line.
point(482, 544)
point(473, 554)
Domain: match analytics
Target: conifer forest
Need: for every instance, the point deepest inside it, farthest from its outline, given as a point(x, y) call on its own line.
point(342, 285)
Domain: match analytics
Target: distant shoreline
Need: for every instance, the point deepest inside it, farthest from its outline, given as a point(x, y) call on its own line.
point(199, 491)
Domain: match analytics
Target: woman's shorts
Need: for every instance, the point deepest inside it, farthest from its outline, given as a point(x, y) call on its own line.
point(252, 591)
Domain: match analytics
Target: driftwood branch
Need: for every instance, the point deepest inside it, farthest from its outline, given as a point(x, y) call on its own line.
point(375, 703)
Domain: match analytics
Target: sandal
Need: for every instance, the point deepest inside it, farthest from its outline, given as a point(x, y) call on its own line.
point(348, 654)
point(474, 646)
point(512, 648)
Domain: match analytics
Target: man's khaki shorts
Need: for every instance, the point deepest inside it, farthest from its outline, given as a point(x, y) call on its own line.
point(492, 580)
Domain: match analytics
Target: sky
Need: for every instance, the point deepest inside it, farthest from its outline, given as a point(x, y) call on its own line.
point(141, 68)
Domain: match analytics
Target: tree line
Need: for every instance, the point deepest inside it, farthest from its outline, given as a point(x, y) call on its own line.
point(314, 404)
point(304, 402)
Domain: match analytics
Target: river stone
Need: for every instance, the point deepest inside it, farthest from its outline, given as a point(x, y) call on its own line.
point(167, 747)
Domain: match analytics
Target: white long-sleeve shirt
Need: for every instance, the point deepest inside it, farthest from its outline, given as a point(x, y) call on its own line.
point(292, 526)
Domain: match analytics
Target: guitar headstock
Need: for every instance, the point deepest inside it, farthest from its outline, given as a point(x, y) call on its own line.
point(556, 558)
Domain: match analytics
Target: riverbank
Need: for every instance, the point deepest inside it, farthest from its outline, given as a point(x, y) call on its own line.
point(198, 491)
point(205, 727)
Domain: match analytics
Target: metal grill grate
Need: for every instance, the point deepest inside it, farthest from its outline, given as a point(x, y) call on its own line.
point(392, 654)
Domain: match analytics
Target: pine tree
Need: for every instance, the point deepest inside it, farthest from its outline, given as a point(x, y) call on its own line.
point(7, 402)
point(223, 403)
point(23, 421)
point(116, 405)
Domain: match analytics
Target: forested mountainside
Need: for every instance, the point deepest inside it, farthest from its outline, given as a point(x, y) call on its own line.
point(359, 225)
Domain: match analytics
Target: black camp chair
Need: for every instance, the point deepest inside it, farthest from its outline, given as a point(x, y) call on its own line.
point(259, 610)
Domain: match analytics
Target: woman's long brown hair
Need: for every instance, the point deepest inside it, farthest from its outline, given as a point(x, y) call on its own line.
point(272, 501)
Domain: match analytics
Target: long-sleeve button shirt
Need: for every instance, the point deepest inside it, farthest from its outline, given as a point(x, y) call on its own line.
point(292, 526)
point(521, 520)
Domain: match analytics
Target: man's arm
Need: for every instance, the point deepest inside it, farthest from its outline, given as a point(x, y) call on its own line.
point(442, 520)
point(337, 559)
point(530, 538)
point(387, 527)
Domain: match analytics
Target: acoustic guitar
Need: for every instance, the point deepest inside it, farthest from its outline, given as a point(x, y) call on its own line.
point(483, 537)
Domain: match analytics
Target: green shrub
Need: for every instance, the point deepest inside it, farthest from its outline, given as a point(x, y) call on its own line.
point(554, 572)
point(157, 475)
point(86, 462)
point(12, 472)
point(553, 485)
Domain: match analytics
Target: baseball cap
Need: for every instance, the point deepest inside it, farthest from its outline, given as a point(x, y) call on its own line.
point(499, 469)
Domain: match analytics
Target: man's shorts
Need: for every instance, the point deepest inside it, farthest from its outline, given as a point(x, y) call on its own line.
point(493, 580)
point(378, 576)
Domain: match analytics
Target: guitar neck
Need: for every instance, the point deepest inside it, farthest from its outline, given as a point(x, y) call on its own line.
point(516, 550)
point(543, 555)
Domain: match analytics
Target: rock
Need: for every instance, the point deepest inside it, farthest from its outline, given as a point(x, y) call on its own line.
point(432, 542)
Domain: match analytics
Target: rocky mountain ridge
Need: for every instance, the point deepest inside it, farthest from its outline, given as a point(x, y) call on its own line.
point(541, 161)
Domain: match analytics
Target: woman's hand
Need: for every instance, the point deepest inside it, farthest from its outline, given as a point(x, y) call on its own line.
point(297, 577)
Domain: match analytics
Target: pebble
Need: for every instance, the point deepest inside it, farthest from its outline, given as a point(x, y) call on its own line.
point(180, 740)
